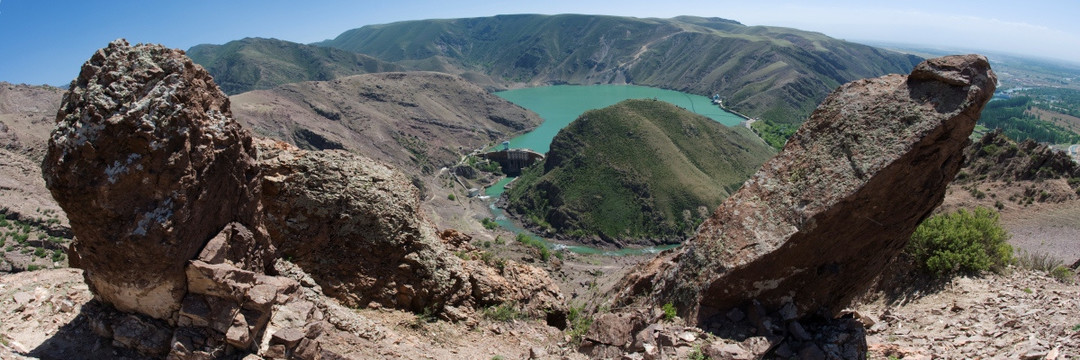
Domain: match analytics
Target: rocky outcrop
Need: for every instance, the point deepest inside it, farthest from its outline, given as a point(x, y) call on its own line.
point(355, 226)
point(148, 163)
point(819, 221)
point(179, 221)
point(996, 157)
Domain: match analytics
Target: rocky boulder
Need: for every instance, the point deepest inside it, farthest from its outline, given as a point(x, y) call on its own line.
point(818, 222)
point(355, 225)
point(148, 163)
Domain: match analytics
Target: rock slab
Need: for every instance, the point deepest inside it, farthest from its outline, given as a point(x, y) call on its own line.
point(819, 221)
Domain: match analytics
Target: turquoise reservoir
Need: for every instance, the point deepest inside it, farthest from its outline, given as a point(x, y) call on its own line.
point(559, 105)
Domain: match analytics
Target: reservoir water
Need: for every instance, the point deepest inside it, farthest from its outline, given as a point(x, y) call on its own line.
point(559, 105)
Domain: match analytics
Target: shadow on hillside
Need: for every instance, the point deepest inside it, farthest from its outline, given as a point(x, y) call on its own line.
point(903, 282)
point(76, 341)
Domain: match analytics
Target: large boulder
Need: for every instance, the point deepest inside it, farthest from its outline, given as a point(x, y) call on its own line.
point(819, 221)
point(149, 165)
point(355, 225)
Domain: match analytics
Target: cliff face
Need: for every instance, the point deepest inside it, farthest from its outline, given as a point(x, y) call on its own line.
point(820, 220)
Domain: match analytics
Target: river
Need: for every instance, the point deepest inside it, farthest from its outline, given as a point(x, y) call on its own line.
point(559, 105)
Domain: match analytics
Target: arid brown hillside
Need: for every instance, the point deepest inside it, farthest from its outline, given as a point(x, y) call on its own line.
point(32, 225)
point(27, 115)
point(1036, 189)
point(417, 121)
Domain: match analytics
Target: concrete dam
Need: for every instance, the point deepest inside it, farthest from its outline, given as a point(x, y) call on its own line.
point(513, 160)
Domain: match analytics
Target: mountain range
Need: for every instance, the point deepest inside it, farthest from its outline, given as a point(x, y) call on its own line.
point(258, 63)
point(776, 74)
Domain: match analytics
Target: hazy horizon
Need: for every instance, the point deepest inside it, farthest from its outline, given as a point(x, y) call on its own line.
point(47, 42)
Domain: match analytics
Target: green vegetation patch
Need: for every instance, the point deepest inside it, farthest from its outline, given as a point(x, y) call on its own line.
point(542, 250)
point(503, 312)
point(1015, 120)
point(579, 322)
point(961, 242)
point(669, 311)
point(30, 236)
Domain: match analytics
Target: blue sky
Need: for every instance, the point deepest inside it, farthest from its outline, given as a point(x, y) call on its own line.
point(46, 41)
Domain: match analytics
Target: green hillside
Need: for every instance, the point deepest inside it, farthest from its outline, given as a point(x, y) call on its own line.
point(255, 63)
point(638, 172)
point(777, 74)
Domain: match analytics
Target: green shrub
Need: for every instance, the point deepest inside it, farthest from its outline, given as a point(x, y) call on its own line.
point(696, 353)
point(489, 224)
point(669, 311)
point(1062, 274)
point(427, 316)
point(57, 255)
point(451, 197)
point(504, 312)
point(495, 262)
point(579, 324)
point(963, 241)
point(539, 245)
point(39, 252)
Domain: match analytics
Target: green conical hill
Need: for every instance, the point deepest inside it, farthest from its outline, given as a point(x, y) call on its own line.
point(638, 172)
